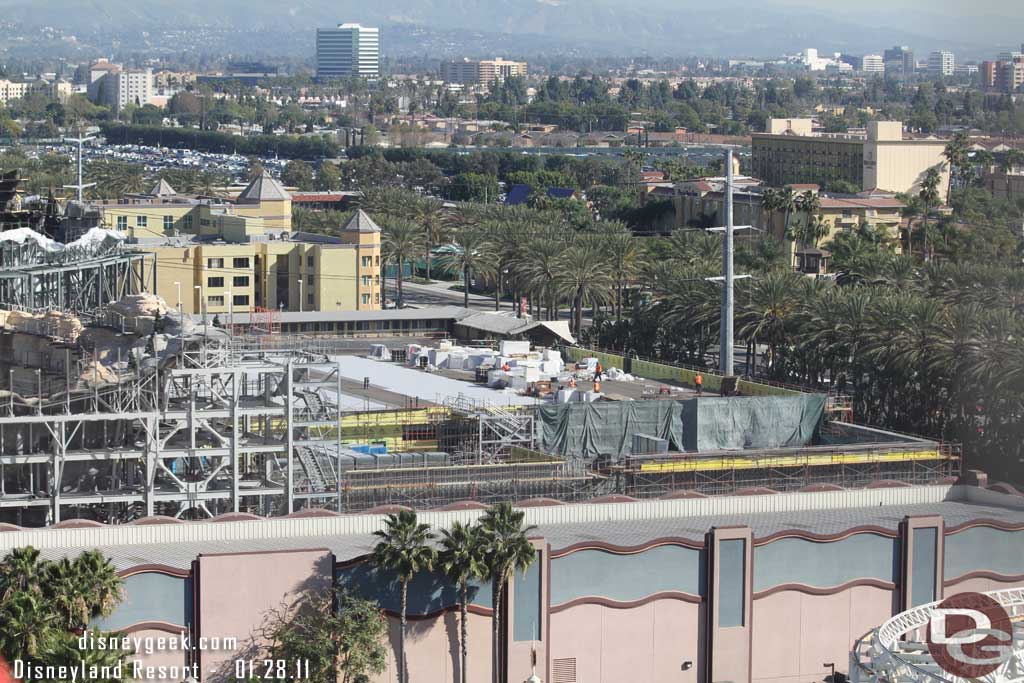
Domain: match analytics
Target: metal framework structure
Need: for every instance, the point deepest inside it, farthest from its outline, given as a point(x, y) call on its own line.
point(896, 651)
point(75, 279)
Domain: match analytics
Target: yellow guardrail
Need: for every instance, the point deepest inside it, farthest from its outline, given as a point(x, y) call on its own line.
point(698, 464)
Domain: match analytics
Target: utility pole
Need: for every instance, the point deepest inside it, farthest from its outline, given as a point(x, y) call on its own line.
point(80, 186)
point(726, 350)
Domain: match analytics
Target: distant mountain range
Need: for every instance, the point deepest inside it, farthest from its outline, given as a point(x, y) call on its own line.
point(654, 27)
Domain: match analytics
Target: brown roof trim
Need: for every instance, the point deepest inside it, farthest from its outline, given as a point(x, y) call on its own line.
point(311, 513)
point(814, 590)
point(537, 503)
point(154, 520)
point(826, 538)
point(984, 574)
point(164, 626)
point(266, 552)
point(986, 522)
point(237, 517)
point(630, 604)
point(628, 549)
point(164, 569)
point(463, 505)
point(78, 524)
point(1004, 487)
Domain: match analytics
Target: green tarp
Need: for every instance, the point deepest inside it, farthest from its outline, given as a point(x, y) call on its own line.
point(604, 430)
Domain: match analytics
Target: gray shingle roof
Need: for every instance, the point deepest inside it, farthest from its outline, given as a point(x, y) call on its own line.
point(264, 188)
point(162, 189)
point(361, 222)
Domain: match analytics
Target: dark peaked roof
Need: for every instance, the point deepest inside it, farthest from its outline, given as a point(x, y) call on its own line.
point(264, 188)
point(163, 189)
point(361, 222)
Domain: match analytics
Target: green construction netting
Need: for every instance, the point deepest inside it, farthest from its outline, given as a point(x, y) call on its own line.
point(604, 430)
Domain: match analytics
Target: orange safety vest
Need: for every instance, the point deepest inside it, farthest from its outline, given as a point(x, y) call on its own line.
point(698, 380)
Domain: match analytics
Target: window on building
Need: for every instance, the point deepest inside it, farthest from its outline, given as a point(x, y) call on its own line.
point(216, 300)
point(240, 300)
point(168, 223)
point(366, 281)
point(214, 263)
point(367, 261)
point(240, 262)
point(309, 298)
point(187, 221)
point(309, 260)
point(214, 282)
point(365, 299)
point(141, 221)
point(240, 281)
point(309, 279)
point(122, 222)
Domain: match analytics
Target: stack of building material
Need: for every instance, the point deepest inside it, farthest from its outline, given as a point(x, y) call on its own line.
point(380, 352)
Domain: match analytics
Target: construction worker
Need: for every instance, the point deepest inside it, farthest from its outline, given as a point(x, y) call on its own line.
point(572, 382)
point(506, 367)
point(698, 381)
point(597, 387)
point(598, 372)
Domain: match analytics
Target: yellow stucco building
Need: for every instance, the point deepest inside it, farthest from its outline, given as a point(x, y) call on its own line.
point(881, 158)
point(241, 255)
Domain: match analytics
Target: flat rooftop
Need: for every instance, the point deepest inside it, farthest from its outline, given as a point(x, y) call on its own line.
point(820, 514)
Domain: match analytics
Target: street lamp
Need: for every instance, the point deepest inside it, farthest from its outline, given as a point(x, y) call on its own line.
point(181, 321)
point(202, 308)
point(230, 297)
point(831, 667)
point(300, 295)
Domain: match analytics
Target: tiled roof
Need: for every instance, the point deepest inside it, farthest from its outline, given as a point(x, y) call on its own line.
point(162, 189)
point(264, 188)
point(361, 222)
point(621, 524)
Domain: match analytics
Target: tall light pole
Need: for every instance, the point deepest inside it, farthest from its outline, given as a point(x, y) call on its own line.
point(300, 295)
point(726, 336)
point(80, 186)
point(202, 308)
point(231, 310)
point(181, 324)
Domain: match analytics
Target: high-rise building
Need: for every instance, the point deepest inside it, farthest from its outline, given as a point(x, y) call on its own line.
point(872, 64)
point(348, 50)
point(481, 72)
point(113, 86)
point(941, 63)
point(988, 74)
point(1010, 75)
point(899, 61)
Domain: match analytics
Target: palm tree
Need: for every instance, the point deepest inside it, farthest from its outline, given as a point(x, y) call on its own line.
point(770, 203)
point(584, 277)
point(787, 202)
point(929, 196)
point(429, 215)
point(25, 617)
point(403, 551)
point(461, 559)
point(20, 572)
point(103, 588)
point(473, 255)
point(957, 154)
point(625, 258)
point(402, 242)
point(66, 594)
point(505, 548)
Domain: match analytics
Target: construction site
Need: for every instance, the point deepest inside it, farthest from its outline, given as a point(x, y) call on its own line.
point(117, 407)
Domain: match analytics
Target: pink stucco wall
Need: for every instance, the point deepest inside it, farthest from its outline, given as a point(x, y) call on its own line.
point(432, 649)
point(647, 643)
point(169, 658)
point(794, 632)
point(980, 585)
point(237, 591)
